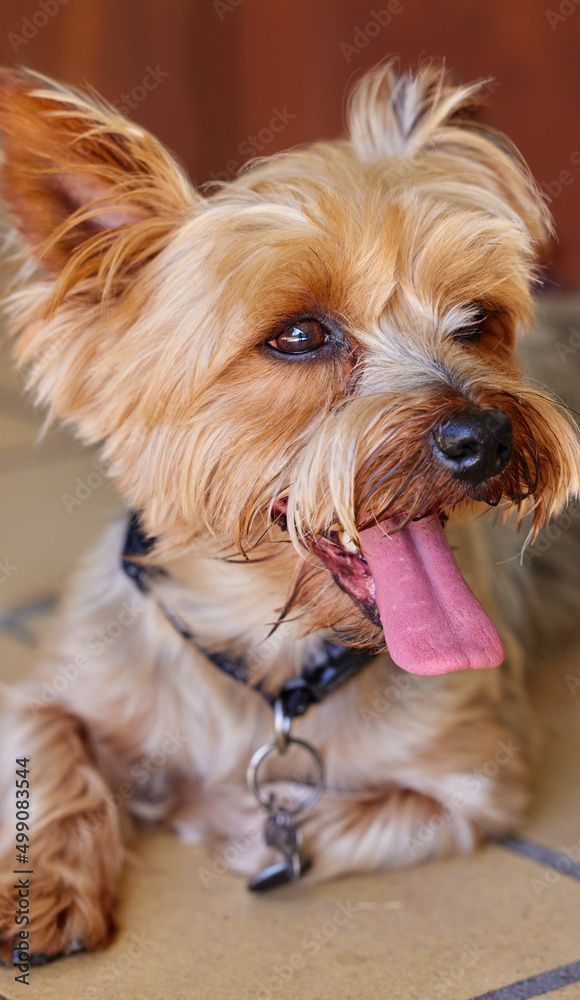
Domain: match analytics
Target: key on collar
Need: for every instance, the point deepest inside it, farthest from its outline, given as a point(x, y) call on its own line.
point(282, 833)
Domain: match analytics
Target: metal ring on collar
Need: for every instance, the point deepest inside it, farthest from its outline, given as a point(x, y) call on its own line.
point(269, 802)
point(282, 724)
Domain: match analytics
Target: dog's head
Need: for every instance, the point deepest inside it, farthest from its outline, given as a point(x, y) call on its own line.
point(326, 342)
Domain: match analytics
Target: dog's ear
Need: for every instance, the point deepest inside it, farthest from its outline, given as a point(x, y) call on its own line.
point(97, 203)
point(423, 114)
point(90, 193)
point(400, 114)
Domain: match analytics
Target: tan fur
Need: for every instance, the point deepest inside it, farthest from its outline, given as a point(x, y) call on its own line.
point(144, 327)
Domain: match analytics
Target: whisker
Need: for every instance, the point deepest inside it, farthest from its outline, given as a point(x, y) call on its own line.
point(264, 533)
point(302, 578)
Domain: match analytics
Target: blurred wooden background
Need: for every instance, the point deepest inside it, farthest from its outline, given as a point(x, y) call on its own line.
point(209, 77)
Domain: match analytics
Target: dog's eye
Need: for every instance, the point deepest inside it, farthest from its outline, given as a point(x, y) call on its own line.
point(473, 328)
point(300, 338)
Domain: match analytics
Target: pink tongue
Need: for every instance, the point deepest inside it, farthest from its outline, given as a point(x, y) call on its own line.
point(432, 622)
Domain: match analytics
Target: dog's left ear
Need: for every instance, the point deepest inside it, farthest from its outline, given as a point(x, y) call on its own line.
point(424, 115)
point(81, 180)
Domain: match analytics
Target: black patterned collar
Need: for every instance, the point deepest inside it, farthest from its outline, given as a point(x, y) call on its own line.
point(328, 669)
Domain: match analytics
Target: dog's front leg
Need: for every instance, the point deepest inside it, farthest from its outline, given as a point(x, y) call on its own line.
point(446, 766)
point(391, 828)
point(75, 847)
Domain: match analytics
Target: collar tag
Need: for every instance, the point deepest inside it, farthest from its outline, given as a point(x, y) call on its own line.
point(281, 831)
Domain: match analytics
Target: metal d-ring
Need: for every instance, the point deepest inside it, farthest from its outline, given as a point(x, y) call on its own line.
point(269, 802)
point(282, 724)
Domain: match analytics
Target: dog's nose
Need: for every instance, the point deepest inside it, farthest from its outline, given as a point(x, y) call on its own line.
point(475, 444)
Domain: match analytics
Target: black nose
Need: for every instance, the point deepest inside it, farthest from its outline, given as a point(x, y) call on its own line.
point(475, 444)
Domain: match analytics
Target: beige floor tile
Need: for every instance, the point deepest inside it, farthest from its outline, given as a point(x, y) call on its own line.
point(21, 423)
point(571, 992)
point(54, 446)
point(40, 539)
point(451, 930)
point(16, 434)
point(23, 442)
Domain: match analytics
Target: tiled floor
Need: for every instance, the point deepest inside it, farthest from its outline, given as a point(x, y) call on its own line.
point(499, 924)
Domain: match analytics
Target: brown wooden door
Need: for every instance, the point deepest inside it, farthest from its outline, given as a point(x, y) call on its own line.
point(221, 80)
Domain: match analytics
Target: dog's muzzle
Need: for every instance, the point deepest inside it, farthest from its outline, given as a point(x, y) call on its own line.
point(474, 445)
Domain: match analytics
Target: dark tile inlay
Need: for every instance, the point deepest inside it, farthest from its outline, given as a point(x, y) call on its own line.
point(536, 986)
point(543, 855)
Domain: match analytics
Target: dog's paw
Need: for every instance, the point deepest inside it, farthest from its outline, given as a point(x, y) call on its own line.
point(62, 920)
point(21, 954)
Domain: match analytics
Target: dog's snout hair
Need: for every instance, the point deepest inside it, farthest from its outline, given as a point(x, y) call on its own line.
point(374, 455)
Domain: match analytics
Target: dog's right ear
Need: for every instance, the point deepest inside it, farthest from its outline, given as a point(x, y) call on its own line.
point(92, 195)
point(422, 115)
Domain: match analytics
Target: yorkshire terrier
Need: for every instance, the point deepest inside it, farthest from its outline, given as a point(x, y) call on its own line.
point(296, 382)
